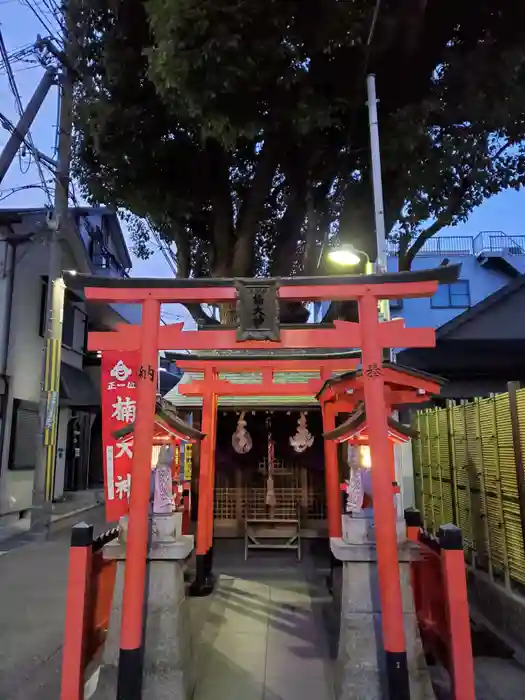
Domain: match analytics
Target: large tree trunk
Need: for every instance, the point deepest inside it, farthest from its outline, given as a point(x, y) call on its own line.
point(252, 211)
point(357, 225)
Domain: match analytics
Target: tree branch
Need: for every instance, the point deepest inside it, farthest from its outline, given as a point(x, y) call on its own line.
point(288, 234)
point(357, 217)
point(444, 219)
point(222, 206)
point(252, 210)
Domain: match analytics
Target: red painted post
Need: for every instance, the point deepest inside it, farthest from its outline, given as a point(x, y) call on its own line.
point(211, 430)
point(331, 470)
point(79, 576)
point(186, 513)
point(456, 599)
point(205, 503)
point(383, 497)
point(130, 666)
point(418, 568)
point(413, 524)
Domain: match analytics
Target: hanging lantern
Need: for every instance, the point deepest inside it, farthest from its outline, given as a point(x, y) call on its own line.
point(302, 439)
point(241, 438)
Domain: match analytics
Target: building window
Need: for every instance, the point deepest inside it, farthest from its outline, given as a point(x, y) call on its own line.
point(74, 324)
point(396, 304)
point(452, 296)
point(24, 432)
point(68, 325)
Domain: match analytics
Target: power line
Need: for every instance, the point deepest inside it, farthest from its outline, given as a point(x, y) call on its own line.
point(164, 249)
point(37, 13)
point(373, 23)
point(5, 194)
point(54, 10)
point(20, 109)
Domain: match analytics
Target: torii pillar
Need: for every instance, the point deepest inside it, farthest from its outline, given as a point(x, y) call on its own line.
point(331, 471)
point(204, 579)
point(384, 508)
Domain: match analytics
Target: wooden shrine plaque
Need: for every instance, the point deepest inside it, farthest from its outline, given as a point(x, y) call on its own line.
point(258, 310)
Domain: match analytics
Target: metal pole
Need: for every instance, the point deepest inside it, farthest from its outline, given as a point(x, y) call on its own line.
point(25, 121)
point(379, 210)
point(50, 386)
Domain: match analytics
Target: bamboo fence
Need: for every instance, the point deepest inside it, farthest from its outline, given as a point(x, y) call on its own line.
point(468, 469)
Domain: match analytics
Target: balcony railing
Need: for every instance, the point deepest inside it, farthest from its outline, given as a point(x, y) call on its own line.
point(497, 241)
point(485, 242)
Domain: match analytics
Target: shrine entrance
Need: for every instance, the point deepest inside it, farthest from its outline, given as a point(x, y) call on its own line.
point(259, 329)
point(247, 419)
point(241, 481)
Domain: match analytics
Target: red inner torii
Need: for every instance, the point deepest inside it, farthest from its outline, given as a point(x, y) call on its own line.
point(374, 386)
point(347, 394)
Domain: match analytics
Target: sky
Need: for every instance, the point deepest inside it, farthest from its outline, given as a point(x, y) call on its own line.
point(20, 27)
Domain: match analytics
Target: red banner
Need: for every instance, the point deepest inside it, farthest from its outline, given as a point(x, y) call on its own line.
point(119, 407)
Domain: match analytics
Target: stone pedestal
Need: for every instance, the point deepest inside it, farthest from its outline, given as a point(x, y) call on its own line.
point(360, 664)
point(358, 528)
point(168, 668)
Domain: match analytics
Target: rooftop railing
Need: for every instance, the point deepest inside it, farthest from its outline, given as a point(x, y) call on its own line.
point(485, 242)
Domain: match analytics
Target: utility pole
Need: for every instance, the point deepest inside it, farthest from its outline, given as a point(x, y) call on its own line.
point(24, 123)
point(43, 486)
point(379, 209)
point(377, 184)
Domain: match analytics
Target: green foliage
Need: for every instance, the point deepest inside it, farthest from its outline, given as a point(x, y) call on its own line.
point(239, 130)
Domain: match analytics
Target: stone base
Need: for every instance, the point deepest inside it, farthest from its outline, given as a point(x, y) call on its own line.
point(168, 658)
point(360, 671)
point(358, 528)
point(500, 607)
point(167, 527)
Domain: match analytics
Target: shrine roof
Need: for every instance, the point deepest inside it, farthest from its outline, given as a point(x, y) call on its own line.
point(445, 274)
point(394, 366)
point(167, 414)
point(356, 422)
point(190, 402)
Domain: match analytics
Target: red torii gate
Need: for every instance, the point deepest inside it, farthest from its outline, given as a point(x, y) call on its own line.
point(369, 334)
point(347, 394)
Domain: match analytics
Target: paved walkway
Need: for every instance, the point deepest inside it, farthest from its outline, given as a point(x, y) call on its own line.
point(14, 530)
point(33, 581)
point(265, 641)
point(266, 631)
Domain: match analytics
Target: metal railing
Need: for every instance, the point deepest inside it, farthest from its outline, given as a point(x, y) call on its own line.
point(497, 241)
point(484, 242)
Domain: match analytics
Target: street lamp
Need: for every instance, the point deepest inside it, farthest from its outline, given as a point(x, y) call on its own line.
point(346, 255)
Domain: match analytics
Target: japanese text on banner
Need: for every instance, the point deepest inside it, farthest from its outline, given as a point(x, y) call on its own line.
point(119, 409)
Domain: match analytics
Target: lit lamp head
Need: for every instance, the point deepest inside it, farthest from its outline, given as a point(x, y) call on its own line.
point(344, 255)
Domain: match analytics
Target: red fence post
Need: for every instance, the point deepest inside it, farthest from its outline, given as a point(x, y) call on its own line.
point(186, 513)
point(413, 528)
point(79, 574)
point(413, 524)
point(456, 600)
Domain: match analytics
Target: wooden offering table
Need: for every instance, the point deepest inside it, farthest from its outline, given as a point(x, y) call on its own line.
point(272, 533)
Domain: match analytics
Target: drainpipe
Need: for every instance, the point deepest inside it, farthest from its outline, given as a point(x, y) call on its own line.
point(8, 275)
